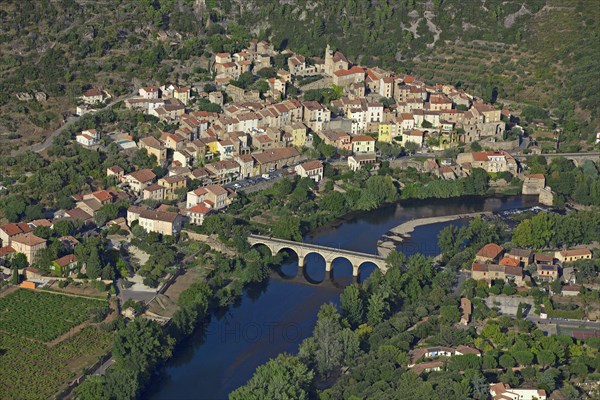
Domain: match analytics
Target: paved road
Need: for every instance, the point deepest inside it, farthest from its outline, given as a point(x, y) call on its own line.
point(102, 369)
point(573, 155)
point(572, 323)
point(39, 147)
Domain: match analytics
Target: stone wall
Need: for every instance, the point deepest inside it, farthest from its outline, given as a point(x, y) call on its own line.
point(533, 185)
point(546, 196)
point(502, 145)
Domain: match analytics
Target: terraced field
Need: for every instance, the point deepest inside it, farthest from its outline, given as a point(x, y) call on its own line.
point(478, 67)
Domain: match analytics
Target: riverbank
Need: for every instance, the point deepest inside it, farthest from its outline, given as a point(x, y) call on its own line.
point(391, 239)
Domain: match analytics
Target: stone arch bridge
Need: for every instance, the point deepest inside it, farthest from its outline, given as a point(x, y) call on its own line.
point(330, 254)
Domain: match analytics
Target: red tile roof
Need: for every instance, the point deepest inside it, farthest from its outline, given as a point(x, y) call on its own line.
point(6, 250)
point(576, 252)
point(102, 195)
point(66, 260)
point(143, 175)
point(511, 262)
point(16, 229)
point(312, 165)
point(362, 138)
point(490, 250)
point(199, 209)
point(92, 92)
point(29, 239)
point(535, 176)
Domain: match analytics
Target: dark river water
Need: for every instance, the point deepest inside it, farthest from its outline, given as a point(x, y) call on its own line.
point(275, 316)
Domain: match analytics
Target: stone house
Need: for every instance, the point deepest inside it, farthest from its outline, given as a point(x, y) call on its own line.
point(534, 184)
point(357, 161)
point(273, 159)
point(162, 222)
point(172, 184)
point(139, 179)
point(28, 244)
point(490, 272)
point(154, 148)
point(154, 192)
point(491, 252)
point(573, 255)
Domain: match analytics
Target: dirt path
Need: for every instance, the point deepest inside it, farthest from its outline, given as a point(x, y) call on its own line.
point(67, 294)
point(8, 291)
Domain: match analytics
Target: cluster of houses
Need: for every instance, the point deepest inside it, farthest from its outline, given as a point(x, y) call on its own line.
point(166, 102)
point(419, 110)
point(250, 124)
point(429, 359)
point(494, 262)
point(20, 238)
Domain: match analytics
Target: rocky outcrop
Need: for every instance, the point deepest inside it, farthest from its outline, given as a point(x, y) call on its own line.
point(24, 96)
point(40, 96)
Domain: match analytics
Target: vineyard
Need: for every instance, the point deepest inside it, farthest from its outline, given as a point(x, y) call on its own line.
point(43, 316)
point(31, 370)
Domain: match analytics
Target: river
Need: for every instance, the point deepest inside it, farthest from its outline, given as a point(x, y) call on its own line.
point(276, 315)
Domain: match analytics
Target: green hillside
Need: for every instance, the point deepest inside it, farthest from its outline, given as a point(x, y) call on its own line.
point(540, 52)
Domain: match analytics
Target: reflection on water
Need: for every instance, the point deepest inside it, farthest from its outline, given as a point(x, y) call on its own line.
point(275, 316)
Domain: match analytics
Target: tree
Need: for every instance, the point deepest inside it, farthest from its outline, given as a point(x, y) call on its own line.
point(288, 227)
point(506, 361)
point(93, 266)
point(476, 146)
point(548, 379)
point(15, 276)
point(411, 147)
point(546, 358)
point(19, 261)
point(352, 305)
point(377, 308)
point(524, 358)
point(480, 387)
point(14, 207)
point(284, 377)
point(94, 387)
point(141, 345)
point(449, 314)
point(448, 241)
point(329, 352)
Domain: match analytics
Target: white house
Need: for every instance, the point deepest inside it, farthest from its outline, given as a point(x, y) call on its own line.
point(197, 213)
point(310, 169)
point(502, 391)
point(89, 137)
point(150, 92)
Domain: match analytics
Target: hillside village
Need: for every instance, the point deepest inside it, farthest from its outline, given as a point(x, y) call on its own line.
point(224, 140)
point(258, 137)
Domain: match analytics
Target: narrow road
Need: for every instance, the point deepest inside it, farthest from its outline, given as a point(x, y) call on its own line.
point(102, 369)
point(572, 323)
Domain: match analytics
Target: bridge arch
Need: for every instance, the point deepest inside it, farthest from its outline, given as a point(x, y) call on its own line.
point(277, 249)
point(265, 244)
point(342, 257)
